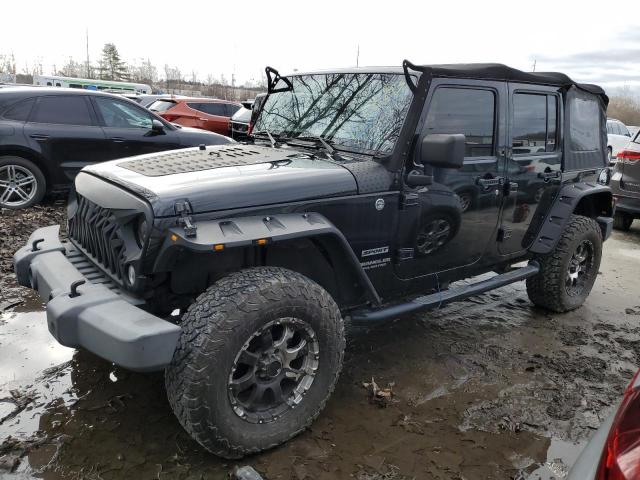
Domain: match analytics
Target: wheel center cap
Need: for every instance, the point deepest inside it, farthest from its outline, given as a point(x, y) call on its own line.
point(270, 367)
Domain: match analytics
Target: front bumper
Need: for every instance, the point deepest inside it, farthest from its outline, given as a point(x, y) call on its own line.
point(100, 318)
point(628, 205)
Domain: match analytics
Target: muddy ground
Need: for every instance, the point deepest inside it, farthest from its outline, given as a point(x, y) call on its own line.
point(489, 388)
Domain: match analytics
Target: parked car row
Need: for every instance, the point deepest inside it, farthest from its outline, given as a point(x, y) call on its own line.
point(48, 134)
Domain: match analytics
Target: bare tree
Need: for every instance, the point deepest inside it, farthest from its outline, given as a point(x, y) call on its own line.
point(625, 106)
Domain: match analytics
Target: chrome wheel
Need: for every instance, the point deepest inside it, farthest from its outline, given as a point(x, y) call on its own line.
point(433, 236)
point(580, 268)
point(274, 370)
point(18, 186)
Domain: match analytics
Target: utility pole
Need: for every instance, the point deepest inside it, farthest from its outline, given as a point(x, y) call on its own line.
point(88, 64)
point(358, 56)
point(534, 64)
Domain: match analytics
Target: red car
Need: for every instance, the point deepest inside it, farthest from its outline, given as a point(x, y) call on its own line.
point(205, 113)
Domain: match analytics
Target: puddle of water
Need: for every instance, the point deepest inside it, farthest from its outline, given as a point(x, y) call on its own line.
point(560, 457)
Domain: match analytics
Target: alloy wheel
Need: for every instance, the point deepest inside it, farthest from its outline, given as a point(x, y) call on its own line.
point(580, 268)
point(273, 370)
point(18, 186)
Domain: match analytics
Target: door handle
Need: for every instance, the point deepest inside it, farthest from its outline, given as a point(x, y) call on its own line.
point(488, 183)
point(40, 137)
point(546, 176)
point(118, 139)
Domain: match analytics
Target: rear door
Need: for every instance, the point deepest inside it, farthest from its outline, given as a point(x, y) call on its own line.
point(128, 127)
point(532, 168)
point(65, 130)
point(212, 116)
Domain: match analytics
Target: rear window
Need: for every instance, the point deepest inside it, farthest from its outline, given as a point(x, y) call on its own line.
point(242, 115)
point(62, 110)
point(19, 111)
point(162, 105)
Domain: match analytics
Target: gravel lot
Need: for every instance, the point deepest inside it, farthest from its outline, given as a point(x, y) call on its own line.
point(489, 388)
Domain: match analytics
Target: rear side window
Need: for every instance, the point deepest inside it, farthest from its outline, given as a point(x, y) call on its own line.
point(624, 130)
point(162, 105)
point(64, 110)
point(19, 111)
point(584, 128)
point(218, 109)
point(468, 111)
point(534, 123)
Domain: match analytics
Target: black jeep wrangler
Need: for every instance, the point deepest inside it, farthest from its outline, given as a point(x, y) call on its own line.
point(363, 194)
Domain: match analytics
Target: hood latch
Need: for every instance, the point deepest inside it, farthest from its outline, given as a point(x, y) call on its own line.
point(183, 209)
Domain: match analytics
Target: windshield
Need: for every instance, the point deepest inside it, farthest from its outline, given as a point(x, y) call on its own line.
point(364, 111)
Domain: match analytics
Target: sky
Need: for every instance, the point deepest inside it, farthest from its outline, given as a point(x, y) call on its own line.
point(590, 41)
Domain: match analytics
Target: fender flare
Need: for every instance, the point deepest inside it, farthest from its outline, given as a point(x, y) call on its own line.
point(564, 205)
point(234, 232)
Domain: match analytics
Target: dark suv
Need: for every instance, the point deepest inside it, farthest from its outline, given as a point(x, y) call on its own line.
point(234, 268)
point(625, 184)
point(48, 134)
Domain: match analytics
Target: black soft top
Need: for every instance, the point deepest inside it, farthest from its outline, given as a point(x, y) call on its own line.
point(498, 71)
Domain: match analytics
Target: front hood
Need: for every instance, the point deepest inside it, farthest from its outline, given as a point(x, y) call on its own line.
point(227, 177)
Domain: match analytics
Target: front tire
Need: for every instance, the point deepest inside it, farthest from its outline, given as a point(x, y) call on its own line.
point(259, 355)
point(567, 273)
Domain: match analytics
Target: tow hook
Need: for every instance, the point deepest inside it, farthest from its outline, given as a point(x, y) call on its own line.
point(34, 245)
point(74, 288)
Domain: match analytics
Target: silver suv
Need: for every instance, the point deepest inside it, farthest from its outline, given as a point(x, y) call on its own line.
point(625, 184)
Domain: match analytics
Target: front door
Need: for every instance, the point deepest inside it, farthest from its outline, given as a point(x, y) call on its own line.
point(458, 214)
point(129, 129)
point(532, 166)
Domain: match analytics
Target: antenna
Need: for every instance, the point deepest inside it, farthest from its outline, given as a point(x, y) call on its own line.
point(534, 64)
point(88, 64)
point(358, 56)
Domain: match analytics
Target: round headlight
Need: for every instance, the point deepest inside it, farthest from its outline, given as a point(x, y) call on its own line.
point(131, 275)
point(141, 232)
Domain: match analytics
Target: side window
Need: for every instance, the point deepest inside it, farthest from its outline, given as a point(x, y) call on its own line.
point(468, 111)
point(534, 123)
point(616, 128)
point(123, 115)
point(19, 111)
point(624, 130)
point(62, 110)
point(584, 120)
point(211, 108)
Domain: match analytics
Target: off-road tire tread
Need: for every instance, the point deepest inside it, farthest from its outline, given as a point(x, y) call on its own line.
point(544, 288)
point(233, 292)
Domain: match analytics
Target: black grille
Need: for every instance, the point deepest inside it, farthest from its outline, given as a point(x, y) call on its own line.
point(96, 231)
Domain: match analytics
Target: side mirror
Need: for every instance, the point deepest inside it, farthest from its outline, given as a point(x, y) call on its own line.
point(443, 150)
point(157, 126)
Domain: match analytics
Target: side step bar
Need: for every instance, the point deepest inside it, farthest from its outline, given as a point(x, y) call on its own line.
point(438, 299)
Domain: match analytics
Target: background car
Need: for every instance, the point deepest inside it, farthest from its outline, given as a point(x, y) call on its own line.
point(613, 453)
point(618, 136)
point(48, 134)
point(625, 185)
point(240, 124)
point(145, 100)
point(205, 113)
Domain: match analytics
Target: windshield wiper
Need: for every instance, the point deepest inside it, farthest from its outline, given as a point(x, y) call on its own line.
point(327, 147)
point(268, 134)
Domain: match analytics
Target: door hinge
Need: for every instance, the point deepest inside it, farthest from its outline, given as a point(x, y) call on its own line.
point(183, 209)
point(404, 254)
point(409, 200)
point(503, 234)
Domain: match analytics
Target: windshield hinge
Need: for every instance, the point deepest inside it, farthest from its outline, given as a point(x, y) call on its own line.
point(183, 209)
